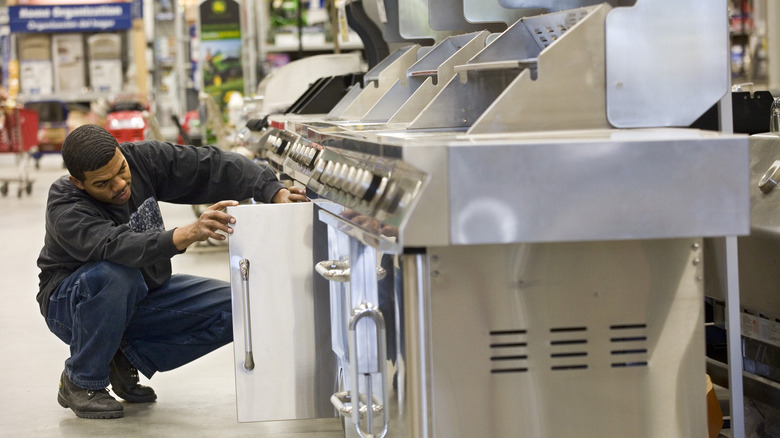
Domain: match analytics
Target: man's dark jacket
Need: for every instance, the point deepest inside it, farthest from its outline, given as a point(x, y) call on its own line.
point(80, 229)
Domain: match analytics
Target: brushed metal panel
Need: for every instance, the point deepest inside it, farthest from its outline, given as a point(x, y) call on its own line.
point(449, 16)
point(629, 184)
point(593, 339)
point(290, 380)
point(481, 11)
point(667, 61)
point(572, 65)
point(414, 23)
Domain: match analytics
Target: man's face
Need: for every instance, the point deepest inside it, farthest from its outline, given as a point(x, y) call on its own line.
point(109, 184)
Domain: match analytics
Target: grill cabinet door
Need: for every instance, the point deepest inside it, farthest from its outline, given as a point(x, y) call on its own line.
point(283, 360)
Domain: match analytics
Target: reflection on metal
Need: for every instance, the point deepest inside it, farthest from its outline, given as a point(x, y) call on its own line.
point(655, 84)
point(249, 361)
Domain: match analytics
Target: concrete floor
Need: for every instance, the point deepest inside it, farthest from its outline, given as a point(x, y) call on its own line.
point(196, 400)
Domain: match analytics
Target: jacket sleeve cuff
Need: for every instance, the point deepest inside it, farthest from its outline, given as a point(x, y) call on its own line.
point(165, 243)
point(268, 192)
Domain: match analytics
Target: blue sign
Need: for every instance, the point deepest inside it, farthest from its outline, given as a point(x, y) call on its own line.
point(70, 18)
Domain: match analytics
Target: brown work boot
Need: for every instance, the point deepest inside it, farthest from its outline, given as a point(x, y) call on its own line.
point(88, 403)
point(124, 381)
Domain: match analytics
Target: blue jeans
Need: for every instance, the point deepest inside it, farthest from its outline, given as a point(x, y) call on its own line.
point(104, 307)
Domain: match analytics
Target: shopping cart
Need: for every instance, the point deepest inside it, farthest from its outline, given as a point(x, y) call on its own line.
point(18, 135)
point(52, 127)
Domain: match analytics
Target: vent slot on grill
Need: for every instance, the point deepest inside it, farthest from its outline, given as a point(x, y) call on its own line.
point(568, 348)
point(628, 345)
point(508, 351)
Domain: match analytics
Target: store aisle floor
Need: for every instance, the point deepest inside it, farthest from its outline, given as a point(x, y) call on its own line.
point(196, 400)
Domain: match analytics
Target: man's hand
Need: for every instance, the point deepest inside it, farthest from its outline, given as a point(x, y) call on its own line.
point(293, 194)
point(207, 225)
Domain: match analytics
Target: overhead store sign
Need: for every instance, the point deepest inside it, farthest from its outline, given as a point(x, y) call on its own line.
point(70, 18)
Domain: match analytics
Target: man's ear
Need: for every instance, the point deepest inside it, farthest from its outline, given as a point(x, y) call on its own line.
point(76, 182)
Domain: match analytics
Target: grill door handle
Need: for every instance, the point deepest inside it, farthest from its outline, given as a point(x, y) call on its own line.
point(372, 312)
point(249, 361)
point(338, 270)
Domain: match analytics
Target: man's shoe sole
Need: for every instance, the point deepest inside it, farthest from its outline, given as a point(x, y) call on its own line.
point(133, 398)
point(105, 415)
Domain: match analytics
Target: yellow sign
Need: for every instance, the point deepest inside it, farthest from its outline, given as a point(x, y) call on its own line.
point(218, 7)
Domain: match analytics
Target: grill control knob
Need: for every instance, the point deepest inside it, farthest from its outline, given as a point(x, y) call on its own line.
point(349, 179)
point(294, 152)
point(327, 173)
point(341, 176)
point(363, 182)
point(319, 167)
point(378, 193)
point(310, 156)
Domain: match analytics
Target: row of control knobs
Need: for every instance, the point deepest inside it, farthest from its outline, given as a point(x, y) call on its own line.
point(356, 182)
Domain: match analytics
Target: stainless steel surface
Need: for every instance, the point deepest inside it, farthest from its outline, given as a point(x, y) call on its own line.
point(676, 78)
point(564, 185)
point(564, 167)
point(531, 362)
point(480, 11)
point(367, 337)
point(733, 298)
point(417, 313)
point(448, 15)
point(413, 21)
point(291, 379)
point(376, 82)
point(425, 78)
point(505, 80)
point(626, 185)
point(570, 65)
point(552, 259)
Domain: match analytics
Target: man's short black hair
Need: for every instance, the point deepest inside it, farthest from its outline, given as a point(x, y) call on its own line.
point(88, 148)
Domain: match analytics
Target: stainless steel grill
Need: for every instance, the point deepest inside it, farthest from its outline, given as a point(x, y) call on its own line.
point(501, 261)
